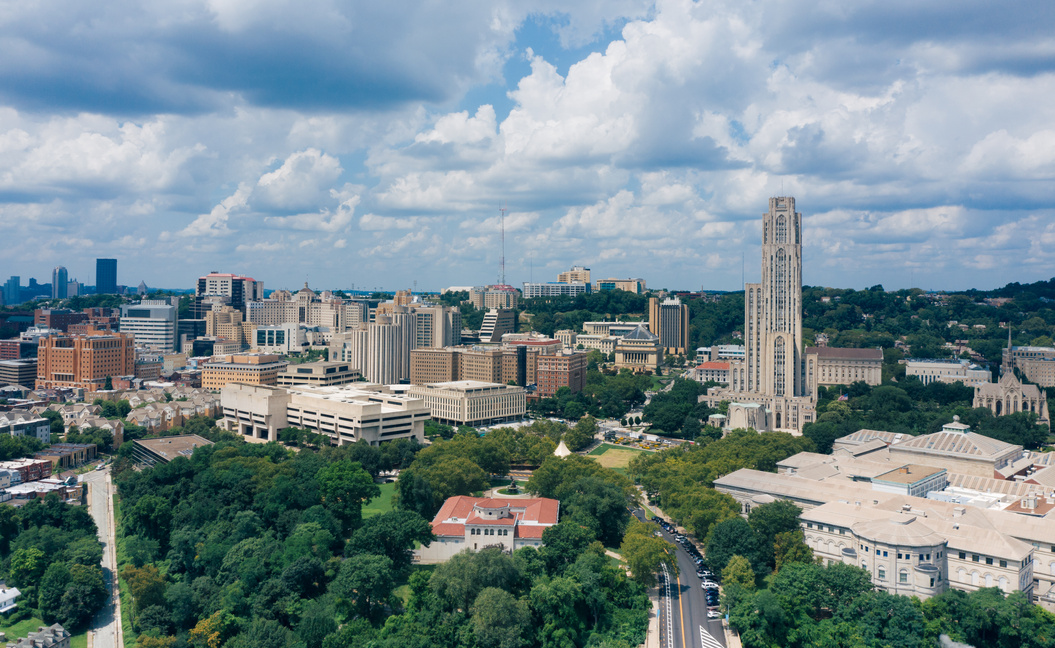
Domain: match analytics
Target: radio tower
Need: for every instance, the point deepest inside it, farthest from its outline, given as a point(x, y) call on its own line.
point(502, 259)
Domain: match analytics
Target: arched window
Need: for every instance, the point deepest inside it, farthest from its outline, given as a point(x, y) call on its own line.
point(974, 578)
point(779, 361)
point(988, 580)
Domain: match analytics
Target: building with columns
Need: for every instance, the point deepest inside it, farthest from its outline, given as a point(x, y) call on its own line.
point(638, 350)
point(775, 374)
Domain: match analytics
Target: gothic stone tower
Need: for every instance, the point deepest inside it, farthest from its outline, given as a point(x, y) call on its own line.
point(775, 373)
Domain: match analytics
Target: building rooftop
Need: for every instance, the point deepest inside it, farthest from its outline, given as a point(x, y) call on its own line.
point(846, 353)
point(909, 474)
point(168, 448)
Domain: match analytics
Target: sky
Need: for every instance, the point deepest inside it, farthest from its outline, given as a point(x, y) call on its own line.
point(371, 145)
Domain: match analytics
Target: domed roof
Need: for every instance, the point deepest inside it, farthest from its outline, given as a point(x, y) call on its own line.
point(902, 530)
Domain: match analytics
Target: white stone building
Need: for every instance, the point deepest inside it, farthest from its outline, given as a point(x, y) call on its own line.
point(471, 402)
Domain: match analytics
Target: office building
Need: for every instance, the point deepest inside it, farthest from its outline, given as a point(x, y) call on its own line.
point(612, 329)
point(227, 323)
point(18, 372)
point(775, 378)
point(346, 413)
point(59, 319)
point(106, 276)
point(282, 339)
point(494, 296)
point(223, 288)
point(837, 366)
point(248, 368)
point(319, 374)
point(669, 319)
point(565, 369)
point(636, 286)
point(502, 365)
point(471, 402)
point(947, 371)
point(496, 323)
point(379, 349)
point(555, 289)
point(59, 280)
point(153, 324)
point(477, 522)
point(84, 361)
point(13, 291)
point(577, 274)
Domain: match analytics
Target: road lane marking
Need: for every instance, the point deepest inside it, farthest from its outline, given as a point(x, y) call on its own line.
point(708, 640)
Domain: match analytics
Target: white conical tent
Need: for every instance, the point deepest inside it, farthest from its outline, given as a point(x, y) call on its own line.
point(562, 450)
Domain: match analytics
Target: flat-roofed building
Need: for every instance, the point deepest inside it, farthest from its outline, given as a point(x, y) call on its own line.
point(636, 286)
point(321, 374)
point(946, 371)
point(912, 479)
point(495, 296)
point(434, 365)
point(579, 274)
point(150, 452)
point(470, 402)
point(477, 522)
point(84, 361)
point(58, 318)
point(64, 456)
point(555, 289)
point(249, 368)
point(603, 343)
point(844, 366)
point(345, 413)
point(28, 470)
point(669, 319)
point(609, 329)
point(153, 324)
point(18, 372)
point(565, 369)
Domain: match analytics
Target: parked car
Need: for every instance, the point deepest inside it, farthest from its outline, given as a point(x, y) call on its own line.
point(714, 614)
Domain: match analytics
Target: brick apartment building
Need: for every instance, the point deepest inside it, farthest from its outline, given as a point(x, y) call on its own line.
point(84, 361)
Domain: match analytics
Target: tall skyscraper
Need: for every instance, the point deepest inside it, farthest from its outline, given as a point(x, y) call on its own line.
point(59, 279)
point(106, 276)
point(669, 319)
point(13, 291)
point(773, 386)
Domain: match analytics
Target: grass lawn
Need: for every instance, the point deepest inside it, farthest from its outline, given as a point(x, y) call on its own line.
point(22, 628)
point(382, 503)
point(615, 457)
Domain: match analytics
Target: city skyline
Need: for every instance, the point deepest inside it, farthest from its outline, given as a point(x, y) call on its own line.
point(374, 147)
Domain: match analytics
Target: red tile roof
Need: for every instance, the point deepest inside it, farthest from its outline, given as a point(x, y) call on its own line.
point(456, 512)
point(721, 366)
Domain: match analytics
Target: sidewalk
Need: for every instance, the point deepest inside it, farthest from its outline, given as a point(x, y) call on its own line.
point(652, 636)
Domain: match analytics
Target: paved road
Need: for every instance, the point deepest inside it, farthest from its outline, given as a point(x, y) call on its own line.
point(691, 627)
point(106, 626)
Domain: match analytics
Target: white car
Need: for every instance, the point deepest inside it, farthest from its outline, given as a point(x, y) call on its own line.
point(709, 585)
point(714, 614)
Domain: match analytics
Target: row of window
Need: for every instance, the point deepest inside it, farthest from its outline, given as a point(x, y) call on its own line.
point(489, 532)
point(977, 558)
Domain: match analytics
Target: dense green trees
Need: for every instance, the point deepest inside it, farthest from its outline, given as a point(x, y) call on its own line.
point(679, 479)
point(50, 551)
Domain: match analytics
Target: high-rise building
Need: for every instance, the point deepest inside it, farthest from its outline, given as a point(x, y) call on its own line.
point(565, 369)
point(234, 290)
point(576, 274)
point(84, 361)
point(776, 380)
point(59, 281)
point(13, 291)
point(105, 276)
point(496, 323)
point(669, 319)
point(379, 349)
point(555, 289)
point(153, 324)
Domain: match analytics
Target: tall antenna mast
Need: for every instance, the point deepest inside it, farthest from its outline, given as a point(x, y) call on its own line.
point(502, 262)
